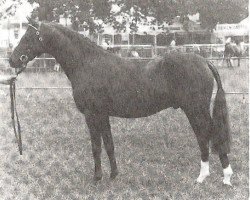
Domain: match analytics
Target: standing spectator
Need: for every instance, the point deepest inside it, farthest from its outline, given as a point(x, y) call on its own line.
point(9, 50)
point(173, 43)
point(228, 41)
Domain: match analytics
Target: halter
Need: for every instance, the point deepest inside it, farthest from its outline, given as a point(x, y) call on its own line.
point(14, 115)
point(24, 57)
point(37, 31)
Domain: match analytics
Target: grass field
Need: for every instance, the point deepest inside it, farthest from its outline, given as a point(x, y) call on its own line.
point(158, 157)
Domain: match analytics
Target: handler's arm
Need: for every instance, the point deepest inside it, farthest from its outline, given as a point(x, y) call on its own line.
point(6, 79)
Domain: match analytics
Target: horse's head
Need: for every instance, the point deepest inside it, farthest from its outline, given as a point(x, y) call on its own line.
point(30, 46)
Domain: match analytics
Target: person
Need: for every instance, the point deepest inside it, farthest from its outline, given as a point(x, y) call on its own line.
point(133, 53)
point(173, 43)
point(9, 50)
point(6, 79)
point(105, 44)
point(172, 46)
point(228, 41)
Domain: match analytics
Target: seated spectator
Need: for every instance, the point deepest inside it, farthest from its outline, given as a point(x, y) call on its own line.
point(105, 44)
point(133, 53)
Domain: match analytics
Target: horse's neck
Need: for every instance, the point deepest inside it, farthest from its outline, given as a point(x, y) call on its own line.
point(67, 54)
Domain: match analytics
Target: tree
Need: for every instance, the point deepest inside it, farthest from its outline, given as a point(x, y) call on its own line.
point(79, 11)
point(211, 11)
point(221, 11)
point(86, 12)
point(8, 8)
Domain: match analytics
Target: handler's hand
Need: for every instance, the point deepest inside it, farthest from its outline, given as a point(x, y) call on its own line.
point(7, 79)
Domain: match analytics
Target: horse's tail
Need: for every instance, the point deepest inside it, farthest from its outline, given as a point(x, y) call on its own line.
point(220, 134)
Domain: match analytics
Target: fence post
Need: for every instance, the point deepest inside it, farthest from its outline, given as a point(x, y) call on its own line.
point(211, 51)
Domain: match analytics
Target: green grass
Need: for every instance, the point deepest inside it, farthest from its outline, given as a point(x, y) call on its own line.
point(158, 157)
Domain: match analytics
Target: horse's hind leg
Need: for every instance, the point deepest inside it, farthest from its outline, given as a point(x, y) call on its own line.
point(227, 170)
point(201, 123)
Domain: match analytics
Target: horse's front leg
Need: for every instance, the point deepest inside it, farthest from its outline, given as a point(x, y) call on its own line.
point(109, 147)
point(95, 135)
point(99, 126)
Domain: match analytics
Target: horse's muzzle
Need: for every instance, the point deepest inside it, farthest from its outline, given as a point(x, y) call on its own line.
point(17, 64)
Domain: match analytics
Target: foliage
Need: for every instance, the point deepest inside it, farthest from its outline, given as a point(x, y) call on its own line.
point(221, 11)
point(79, 11)
point(211, 11)
point(7, 9)
point(86, 12)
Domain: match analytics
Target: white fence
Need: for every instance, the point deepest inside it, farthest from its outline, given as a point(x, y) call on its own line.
point(146, 52)
point(211, 51)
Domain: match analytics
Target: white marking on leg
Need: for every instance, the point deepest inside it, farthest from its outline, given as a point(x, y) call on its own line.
point(228, 172)
point(204, 171)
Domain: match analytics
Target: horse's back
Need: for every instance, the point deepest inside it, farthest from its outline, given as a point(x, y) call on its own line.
point(233, 50)
point(175, 80)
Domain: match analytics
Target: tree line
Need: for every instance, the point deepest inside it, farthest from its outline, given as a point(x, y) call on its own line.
point(85, 12)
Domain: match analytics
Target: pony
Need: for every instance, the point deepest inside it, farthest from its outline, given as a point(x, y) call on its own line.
point(232, 50)
point(104, 85)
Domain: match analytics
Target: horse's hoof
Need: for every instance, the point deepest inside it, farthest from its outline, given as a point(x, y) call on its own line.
point(113, 174)
point(97, 177)
point(227, 183)
point(201, 178)
point(228, 172)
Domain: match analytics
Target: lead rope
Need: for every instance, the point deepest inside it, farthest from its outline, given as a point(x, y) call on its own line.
point(14, 116)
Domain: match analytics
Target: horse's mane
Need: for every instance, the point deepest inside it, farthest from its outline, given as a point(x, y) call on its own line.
point(77, 39)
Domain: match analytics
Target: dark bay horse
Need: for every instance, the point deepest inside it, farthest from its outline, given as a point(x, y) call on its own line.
point(233, 51)
point(104, 85)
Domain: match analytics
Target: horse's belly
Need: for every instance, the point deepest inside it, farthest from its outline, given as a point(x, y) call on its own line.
point(138, 107)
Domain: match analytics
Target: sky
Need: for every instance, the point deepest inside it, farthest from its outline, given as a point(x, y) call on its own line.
point(22, 11)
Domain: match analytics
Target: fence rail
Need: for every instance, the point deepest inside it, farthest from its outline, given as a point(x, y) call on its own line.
point(69, 88)
point(213, 52)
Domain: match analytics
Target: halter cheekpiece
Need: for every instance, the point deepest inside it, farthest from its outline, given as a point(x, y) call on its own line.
point(37, 32)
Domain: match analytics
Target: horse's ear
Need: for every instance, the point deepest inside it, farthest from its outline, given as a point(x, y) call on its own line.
point(33, 22)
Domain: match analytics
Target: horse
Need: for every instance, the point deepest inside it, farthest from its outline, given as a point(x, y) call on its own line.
point(233, 51)
point(105, 85)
